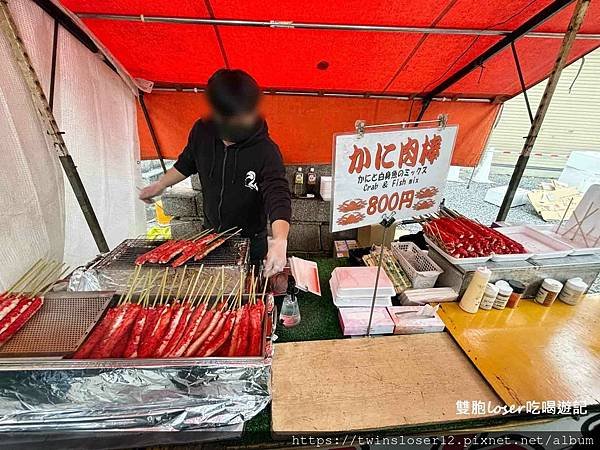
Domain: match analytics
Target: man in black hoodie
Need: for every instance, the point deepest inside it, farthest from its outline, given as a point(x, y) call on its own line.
point(240, 168)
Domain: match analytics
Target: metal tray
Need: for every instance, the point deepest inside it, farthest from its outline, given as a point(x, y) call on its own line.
point(15, 363)
point(59, 327)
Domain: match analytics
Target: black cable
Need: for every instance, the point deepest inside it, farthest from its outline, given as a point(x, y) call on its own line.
point(577, 75)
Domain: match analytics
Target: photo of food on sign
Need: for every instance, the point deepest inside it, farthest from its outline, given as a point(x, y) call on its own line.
point(400, 171)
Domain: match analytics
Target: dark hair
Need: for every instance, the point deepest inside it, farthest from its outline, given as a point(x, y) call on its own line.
point(232, 92)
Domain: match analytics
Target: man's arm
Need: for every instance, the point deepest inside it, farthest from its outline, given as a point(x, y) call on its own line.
point(276, 195)
point(171, 177)
point(183, 168)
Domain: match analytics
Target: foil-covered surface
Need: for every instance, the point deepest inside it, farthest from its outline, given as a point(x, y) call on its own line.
point(133, 399)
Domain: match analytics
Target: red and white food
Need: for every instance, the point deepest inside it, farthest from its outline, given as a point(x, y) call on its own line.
point(15, 310)
point(179, 329)
point(464, 238)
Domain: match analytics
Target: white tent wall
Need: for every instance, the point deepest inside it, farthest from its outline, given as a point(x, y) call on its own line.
point(96, 111)
point(31, 184)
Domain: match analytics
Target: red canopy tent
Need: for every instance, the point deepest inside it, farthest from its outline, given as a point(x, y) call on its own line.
point(369, 59)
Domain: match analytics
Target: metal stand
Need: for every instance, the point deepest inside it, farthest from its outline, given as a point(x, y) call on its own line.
point(386, 223)
point(7, 25)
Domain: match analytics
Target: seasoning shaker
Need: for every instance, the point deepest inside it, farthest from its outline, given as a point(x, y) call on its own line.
point(472, 297)
point(504, 291)
point(573, 291)
point(489, 296)
point(518, 289)
point(548, 291)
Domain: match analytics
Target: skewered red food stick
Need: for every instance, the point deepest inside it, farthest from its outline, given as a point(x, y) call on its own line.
point(217, 339)
point(96, 336)
point(239, 332)
point(149, 255)
point(256, 331)
point(27, 313)
point(192, 249)
point(204, 331)
point(188, 309)
point(135, 337)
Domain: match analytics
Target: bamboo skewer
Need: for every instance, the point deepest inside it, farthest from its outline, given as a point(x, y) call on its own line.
point(173, 282)
point(60, 277)
point(24, 277)
point(181, 282)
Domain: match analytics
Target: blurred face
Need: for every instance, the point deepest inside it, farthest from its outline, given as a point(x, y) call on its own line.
point(236, 128)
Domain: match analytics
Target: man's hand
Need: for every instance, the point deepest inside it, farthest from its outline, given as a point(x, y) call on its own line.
point(276, 257)
point(149, 192)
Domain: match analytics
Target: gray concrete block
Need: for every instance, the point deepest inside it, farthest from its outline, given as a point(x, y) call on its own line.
point(195, 179)
point(310, 210)
point(180, 202)
point(185, 226)
point(304, 237)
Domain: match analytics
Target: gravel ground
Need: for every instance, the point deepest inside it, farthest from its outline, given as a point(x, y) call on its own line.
point(471, 203)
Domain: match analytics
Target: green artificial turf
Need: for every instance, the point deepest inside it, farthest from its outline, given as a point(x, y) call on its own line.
point(319, 317)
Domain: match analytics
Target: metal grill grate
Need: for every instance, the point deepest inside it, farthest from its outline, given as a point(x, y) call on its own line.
point(59, 326)
point(234, 252)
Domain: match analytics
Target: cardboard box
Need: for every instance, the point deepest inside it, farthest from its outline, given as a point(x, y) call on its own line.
point(372, 234)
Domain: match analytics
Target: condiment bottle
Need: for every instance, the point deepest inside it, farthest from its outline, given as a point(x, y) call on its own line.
point(472, 297)
point(504, 291)
point(299, 182)
point(518, 289)
point(548, 291)
point(489, 296)
point(311, 183)
point(573, 291)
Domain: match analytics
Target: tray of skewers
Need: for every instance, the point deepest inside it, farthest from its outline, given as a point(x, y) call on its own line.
point(151, 320)
point(462, 240)
point(177, 252)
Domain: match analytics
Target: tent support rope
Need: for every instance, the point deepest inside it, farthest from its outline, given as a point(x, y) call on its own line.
point(563, 54)
point(9, 29)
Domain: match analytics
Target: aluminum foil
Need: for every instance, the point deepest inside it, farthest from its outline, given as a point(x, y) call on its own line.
point(133, 399)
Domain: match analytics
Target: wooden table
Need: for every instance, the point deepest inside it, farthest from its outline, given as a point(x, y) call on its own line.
point(534, 353)
point(372, 383)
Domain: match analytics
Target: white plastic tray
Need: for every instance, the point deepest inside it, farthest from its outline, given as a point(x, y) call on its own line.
point(453, 260)
point(578, 245)
point(540, 245)
point(346, 302)
point(360, 281)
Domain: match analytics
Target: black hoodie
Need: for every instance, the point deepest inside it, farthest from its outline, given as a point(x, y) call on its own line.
point(241, 183)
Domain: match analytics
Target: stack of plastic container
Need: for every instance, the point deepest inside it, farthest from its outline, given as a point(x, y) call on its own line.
point(354, 286)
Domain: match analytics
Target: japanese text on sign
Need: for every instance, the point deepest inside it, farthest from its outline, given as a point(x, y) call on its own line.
point(402, 171)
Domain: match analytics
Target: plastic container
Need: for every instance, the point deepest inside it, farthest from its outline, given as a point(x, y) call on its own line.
point(504, 292)
point(518, 289)
point(489, 296)
point(419, 268)
point(548, 292)
point(474, 293)
point(325, 188)
point(573, 291)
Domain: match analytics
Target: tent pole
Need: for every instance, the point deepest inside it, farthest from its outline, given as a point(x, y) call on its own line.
point(152, 132)
point(569, 38)
point(32, 81)
point(318, 26)
point(521, 80)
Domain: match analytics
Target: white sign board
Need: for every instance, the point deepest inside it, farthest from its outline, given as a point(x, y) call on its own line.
point(402, 171)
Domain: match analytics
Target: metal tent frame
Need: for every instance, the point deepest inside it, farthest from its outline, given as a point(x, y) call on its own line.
point(508, 39)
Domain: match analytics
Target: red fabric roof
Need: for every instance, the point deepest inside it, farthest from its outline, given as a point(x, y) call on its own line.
point(359, 61)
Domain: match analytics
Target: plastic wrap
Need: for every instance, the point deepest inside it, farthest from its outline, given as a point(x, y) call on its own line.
point(133, 399)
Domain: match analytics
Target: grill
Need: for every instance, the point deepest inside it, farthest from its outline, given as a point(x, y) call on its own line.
point(233, 252)
point(59, 326)
point(113, 270)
